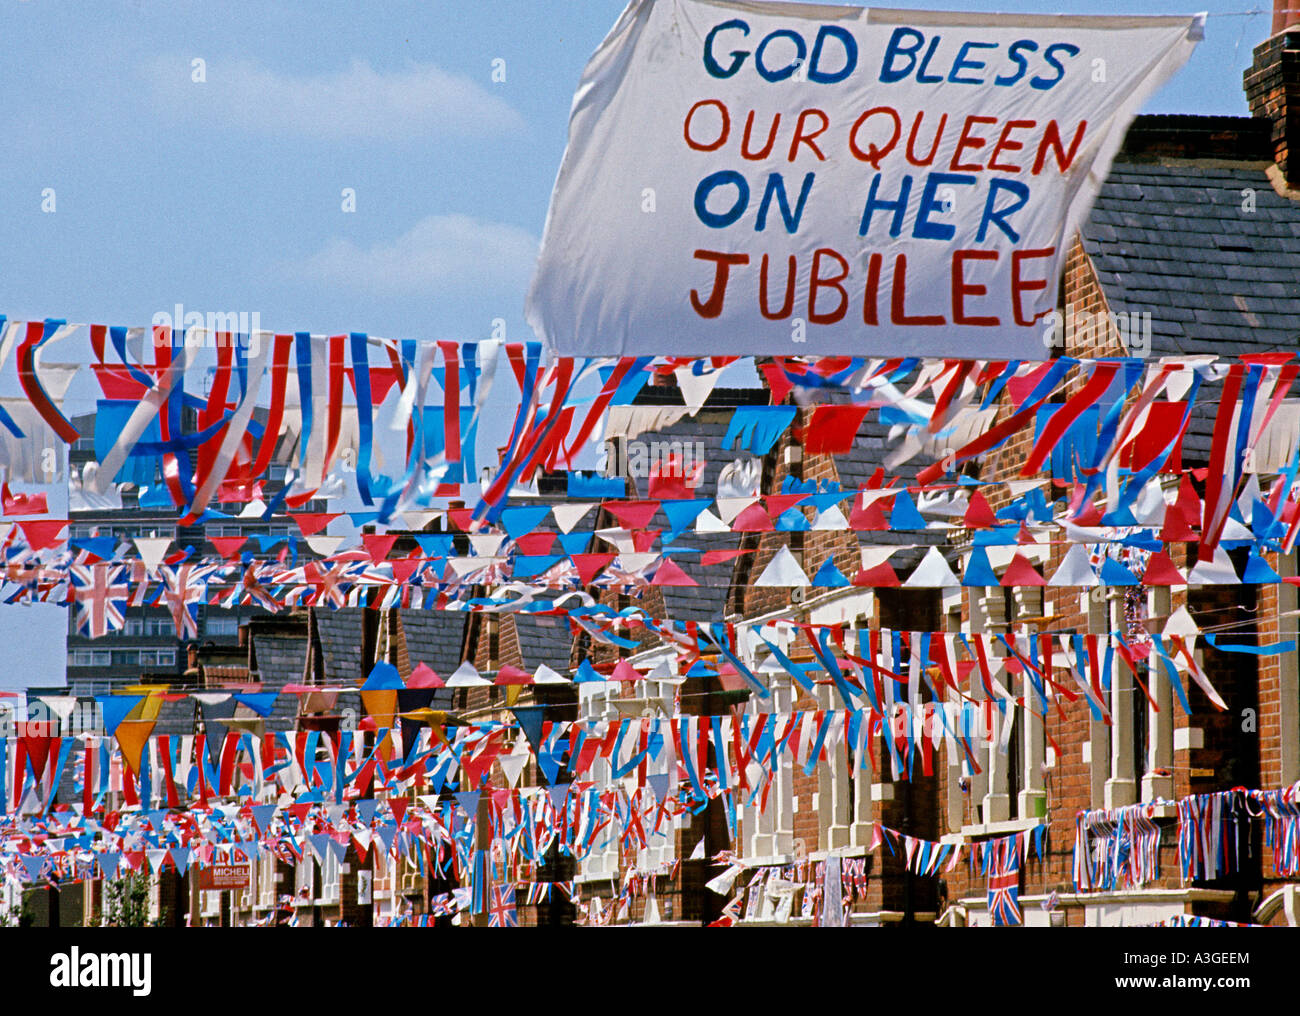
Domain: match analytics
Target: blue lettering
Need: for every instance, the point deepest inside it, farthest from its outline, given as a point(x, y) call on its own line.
point(776, 187)
point(738, 55)
point(875, 204)
point(998, 216)
point(962, 63)
point(1013, 52)
point(1049, 54)
point(924, 228)
point(888, 72)
point(929, 79)
point(781, 73)
point(850, 44)
point(720, 220)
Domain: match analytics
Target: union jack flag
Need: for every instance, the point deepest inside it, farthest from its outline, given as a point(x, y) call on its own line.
point(502, 913)
point(184, 589)
point(1004, 882)
point(100, 592)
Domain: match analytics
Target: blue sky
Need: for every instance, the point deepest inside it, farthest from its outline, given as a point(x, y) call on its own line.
point(226, 194)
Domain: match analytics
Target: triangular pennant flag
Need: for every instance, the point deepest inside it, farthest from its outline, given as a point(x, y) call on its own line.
point(1218, 571)
point(262, 702)
point(383, 676)
point(978, 513)
point(1161, 571)
point(423, 676)
point(558, 794)
point(1021, 573)
point(782, 570)
point(659, 785)
point(512, 766)
point(1075, 570)
point(905, 515)
point(933, 572)
point(831, 519)
point(830, 576)
point(569, 515)
point(978, 570)
point(468, 801)
point(467, 676)
point(152, 550)
point(530, 722)
point(114, 709)
point(1113, 573)
point(632, 514)
point(132, 735)
point(669, 574)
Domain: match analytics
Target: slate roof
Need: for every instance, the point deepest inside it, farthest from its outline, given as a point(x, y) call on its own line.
point(544, 638)
point(708, 600)
point(434, 637)
point(1179, 242)
point(281, 658)
point(340, 642)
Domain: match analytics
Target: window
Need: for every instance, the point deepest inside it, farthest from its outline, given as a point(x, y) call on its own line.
point(222, 626)
point(159, 626)
point(125, 658)
point(329, 878)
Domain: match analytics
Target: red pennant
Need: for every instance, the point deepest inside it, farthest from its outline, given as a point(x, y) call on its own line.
point(1161, 571)
point(752, 520)
point(978, 513)
point(625, 672)
point(311, 523)
point(778, 503)
point(882, 575)
point(831, 429)
point(718, 556)
point(643, 540)
point(24, 504)
point(43, 534)
point(670, 574)
point(869, 517)
point(1021, 573)
point(513, 675)
point(535, 543)
point(228, 546)
point(591, 565)
point(405, 567)
point(632, 514)
point(378, 545)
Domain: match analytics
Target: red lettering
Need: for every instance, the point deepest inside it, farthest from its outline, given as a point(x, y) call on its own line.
point(1052, 139)
point(820, 283)
point(966, 141)
point(712, 307)
point(962, 289)
point(788, 305)
point(1019, 285)
point(898, 299)
point(800, 138)
point(934, 148)
point(771, 137)
point(699, 146)
point(869, 297)
point(873, 155)
point(1006, 144)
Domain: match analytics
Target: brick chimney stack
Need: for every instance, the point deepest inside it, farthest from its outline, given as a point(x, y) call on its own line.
point(1273, 86)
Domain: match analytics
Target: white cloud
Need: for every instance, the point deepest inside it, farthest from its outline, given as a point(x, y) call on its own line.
point(359, 102)
point(440, 254)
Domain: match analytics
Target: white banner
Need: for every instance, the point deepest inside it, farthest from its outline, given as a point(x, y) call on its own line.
point(780, 178)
